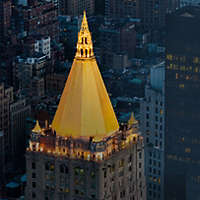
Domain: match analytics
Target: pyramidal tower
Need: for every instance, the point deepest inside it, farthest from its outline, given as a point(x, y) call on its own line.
point(84, 154)
point(85, 109)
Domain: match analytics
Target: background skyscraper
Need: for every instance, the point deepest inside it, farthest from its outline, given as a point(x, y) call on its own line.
point(182, 100)
point(152, 128)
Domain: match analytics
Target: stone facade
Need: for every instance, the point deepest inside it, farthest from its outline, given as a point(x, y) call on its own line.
point(110, 173)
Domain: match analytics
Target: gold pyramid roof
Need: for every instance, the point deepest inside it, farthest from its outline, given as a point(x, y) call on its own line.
point(85, 109)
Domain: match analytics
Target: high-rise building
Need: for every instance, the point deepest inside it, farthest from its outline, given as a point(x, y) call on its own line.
point(152, 13)
point(5, 17)
point(121, 8)
point(116, 40)
point(2, 157)
point(76, 7)
point(37, 18)
point(173, 5)
point(152, 129)
point(19, 112)
point(6, 97)
point(182, 100)
point(84, 154)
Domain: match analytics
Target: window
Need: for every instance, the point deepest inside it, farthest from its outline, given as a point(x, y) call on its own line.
point(169, 57)
point(181, 86)
point(63, 169)
point(121, 163)
point(140, 165)
point(187, 150)
point(140, 155)
point(130, 158)
point(33, 175)
point(33, 195)
point(33, 165)
point(33, 184)
point(93, 174)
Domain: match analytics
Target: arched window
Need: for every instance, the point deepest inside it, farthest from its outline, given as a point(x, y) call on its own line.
point(81, 52)
point(85, 40)
point(90, 52)
point(82, 41)
point(86, 52)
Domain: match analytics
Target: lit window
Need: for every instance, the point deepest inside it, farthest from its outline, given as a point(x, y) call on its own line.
point(169, 57)
point(195, 60)
point(181, 86)
point(182, 68)
point(121, 163)
point(187, 77)
point(187, 150)
point(196, 69)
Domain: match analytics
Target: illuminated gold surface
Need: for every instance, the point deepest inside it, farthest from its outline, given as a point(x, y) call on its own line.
point(132, 120)
point(85, 109)
point(37, 128)
point(84, 44)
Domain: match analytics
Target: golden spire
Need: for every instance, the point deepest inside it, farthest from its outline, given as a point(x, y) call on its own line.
point(84, 45)
point(85, 109)
point(37, 128)
point(132, 120)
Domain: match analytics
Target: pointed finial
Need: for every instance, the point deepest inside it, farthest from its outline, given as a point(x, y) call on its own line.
point(37, 128)
point(132, 120)
point(84, 45)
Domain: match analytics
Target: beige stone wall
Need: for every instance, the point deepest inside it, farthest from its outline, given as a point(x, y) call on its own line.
point(118, 178)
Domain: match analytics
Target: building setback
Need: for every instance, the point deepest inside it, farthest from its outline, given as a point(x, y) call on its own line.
point(182, 100)
point(84, 154)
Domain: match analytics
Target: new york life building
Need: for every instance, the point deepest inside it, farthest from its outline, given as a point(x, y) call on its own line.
point(84, 153)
